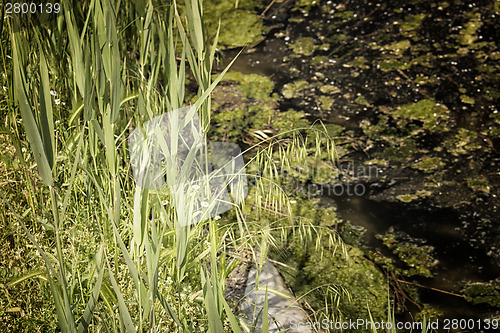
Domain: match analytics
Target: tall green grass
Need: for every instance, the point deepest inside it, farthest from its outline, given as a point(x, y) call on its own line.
point(117, 257)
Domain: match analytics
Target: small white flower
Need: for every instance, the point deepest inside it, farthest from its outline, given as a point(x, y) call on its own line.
point(57, 101)
point(204, 204)
point(164, 202)
point(53, 93)
point(196, 187)
point(206, 243)
point(169, 280)
point(217, 217)
point(293, 201)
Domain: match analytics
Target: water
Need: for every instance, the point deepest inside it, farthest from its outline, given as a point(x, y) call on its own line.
point(458, 261)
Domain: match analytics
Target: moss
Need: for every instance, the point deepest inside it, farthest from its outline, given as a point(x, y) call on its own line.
point(359, 283)
point(429, 164)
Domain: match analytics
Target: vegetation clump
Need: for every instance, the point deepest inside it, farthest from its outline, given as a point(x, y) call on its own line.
point(483, 292)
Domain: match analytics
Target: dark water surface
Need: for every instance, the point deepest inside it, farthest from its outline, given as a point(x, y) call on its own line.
point(458, 261)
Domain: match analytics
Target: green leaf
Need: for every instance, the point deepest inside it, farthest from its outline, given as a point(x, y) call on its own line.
point(30, 125)
point(46, 117)
point(126, 319)
point(89, 309)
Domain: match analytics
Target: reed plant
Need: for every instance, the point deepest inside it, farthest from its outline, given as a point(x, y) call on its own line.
point(119, 256)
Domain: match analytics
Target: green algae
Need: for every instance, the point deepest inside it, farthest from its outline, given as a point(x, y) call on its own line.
point(306, 46)
point(358, 62)
point(479, 184)
point(410, 24)
point(242, 103)
point(244, 19)
point(320, 61)
point(398, 48)
point(418, 259)
point(293, 90)
point(325, 103)
point(361, 100)
point(467, 99)
point(429, 164)
point(290, 119)
point(363, 285)
point(468, 34)
point(406, 198)
point(462, 143)
point(332, 130)
point(253, 86)
point(329, 89)
point(483, 293)
point(390, 64)
point(246, 23)
point(305, 5)
point(431, 114)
